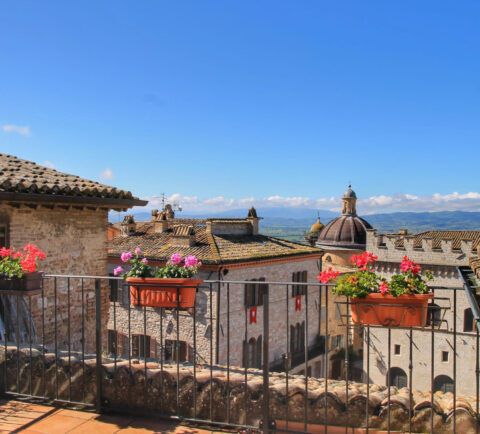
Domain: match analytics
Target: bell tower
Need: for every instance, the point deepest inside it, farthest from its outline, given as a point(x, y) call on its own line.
point(349, 200)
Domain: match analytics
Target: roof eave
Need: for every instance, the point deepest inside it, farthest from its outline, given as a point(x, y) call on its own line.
point(111, 203)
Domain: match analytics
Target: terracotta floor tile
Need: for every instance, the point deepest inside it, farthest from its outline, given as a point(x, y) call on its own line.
point(57, 423)
point(86, 415)
point(103, 424)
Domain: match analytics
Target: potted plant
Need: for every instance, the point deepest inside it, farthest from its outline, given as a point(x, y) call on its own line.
point(169, 286)
point(402, 301)
point(18, 268)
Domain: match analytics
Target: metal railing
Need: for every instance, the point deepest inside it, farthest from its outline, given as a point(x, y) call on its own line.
point(72, 319)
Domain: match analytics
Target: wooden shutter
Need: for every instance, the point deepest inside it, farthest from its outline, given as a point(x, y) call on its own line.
point(259, 353)
point(135, 345)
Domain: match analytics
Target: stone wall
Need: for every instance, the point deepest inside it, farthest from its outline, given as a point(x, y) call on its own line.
point(207, 393)
point(163, 325)
point(74, 240)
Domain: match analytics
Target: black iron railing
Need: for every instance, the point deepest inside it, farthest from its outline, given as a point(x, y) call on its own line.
point(76, 342)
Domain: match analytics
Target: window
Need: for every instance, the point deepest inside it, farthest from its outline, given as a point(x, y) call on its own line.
point(171, 353)
point(140, 346)
point(467, 320)
point(398, 378)
point(396, 350)
point(299, 276)
point(254, 292)
point(252, 353)
point(443, 383)
point(297, 338)
point(337, 341)
point(444, 356)
point(4, 235)
point(113, 289)
point(112, 342)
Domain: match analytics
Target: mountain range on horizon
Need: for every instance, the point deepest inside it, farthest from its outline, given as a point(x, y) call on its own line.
point(291, 223)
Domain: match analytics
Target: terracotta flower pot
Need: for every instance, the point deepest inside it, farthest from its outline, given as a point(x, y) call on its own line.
point(163, 296)
point(28, 282)
point(403, 311)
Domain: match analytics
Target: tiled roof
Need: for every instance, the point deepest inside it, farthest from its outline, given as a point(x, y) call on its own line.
point(27, 177)
point(438, 236)
point(209, 248)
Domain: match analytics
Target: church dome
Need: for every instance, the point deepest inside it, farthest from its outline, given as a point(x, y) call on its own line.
point(346, 231)
point(317, 226)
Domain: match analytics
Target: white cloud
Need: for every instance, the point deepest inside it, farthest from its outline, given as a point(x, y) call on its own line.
point(22, 130)
point(49, 164)
point(370, 205)
point(107, 174)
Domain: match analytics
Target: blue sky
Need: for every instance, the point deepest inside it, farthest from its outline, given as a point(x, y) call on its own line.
point(224, 102)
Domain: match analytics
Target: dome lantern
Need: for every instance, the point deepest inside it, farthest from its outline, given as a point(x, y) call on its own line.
point(349, 200)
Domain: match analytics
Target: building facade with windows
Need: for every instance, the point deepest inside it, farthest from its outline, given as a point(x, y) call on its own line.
point(228, 316)
point(65, 216)
point(441, 252)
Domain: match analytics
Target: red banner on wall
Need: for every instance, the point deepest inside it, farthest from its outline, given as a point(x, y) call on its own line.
point(298, 302)
point(253, 315)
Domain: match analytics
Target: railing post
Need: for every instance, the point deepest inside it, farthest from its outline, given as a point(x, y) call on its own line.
point(98, 343)
point(266, 380)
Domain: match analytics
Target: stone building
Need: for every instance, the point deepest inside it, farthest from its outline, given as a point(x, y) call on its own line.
point(230, 250)
point(340, 238)
point(66, 216)
point(440, 252)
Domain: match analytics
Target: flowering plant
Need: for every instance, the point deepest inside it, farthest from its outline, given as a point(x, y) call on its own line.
point(16, 263)
point(173, 268)
point(365, 281)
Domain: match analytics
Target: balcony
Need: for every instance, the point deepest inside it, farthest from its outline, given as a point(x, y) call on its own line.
point(214, 365)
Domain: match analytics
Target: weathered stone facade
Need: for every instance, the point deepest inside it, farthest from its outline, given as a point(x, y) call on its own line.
point(442, 260)
point(209, 324)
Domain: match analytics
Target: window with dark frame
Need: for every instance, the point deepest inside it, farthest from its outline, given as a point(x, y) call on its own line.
point(468, 320)
point(252, 353)
point(171, 353)
point(140, 345)
point(112, 342)
point(254, 292)
point(397, 349)
point(297, 338)
point(4, 235)
point(444, 356)
point(299, 276)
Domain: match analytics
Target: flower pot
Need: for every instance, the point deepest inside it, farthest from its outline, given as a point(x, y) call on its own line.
point(407, 310)
point(28, 282)
point(179, 292)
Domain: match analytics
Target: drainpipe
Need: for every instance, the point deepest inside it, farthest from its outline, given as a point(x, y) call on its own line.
point(217, 346)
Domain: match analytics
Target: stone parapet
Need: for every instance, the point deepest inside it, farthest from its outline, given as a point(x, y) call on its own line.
point(204, 391)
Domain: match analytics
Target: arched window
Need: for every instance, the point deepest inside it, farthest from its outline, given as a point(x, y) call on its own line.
point(468, 320)
point(252, 353)
point(398, 378)
point(434, 312)
point(443, 383)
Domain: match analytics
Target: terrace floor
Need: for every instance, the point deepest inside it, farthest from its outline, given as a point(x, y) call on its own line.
point(28, 418)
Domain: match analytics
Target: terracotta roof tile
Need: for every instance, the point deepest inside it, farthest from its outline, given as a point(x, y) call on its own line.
point(210, 249)
point(22, 176)
point(438, 236)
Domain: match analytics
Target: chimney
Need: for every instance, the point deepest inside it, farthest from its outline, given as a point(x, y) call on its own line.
point(253, 219)
point(183, 236)
point(403, 231)
point(154, 214)
point(160, 223)
point(128, 226)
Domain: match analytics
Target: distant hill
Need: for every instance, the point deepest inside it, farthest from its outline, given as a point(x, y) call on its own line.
point(290, 223)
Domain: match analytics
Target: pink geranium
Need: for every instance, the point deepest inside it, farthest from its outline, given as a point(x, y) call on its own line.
point(138, 251)
point(126, 256)
point(191, 261)
point(175, 259)
point(383, 288)
point(327, 275)
point(117, 271)
point(145, 261)
point(409, 265)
